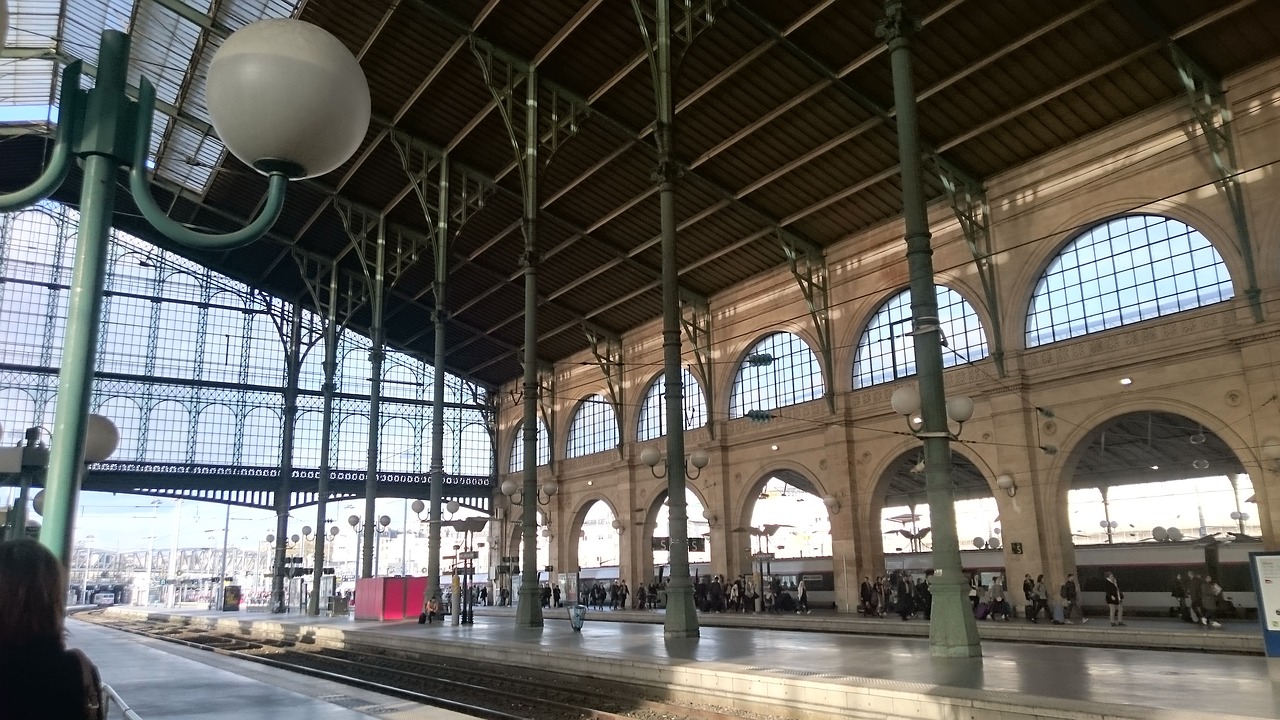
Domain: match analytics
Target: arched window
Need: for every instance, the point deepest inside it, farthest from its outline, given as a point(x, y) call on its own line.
point(517, 448)
point(653, 410)
point(887, 349)
point(594, 428)
point(779, 370)
point(1124, 271)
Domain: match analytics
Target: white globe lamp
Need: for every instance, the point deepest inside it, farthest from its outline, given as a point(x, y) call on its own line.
point(286, 96)
point(905, 400)
point(960, 409)
point(101, 438)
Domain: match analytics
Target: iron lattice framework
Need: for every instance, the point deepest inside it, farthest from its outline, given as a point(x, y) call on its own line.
point(190, 367)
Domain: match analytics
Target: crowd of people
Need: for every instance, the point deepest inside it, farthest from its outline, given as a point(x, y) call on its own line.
point(1198, 598)
point(895, 594)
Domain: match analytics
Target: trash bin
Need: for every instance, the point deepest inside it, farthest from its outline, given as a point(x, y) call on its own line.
point(577, 613)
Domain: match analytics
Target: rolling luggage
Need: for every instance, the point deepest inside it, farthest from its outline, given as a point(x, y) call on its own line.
point(982, 610)
point(1059, 615)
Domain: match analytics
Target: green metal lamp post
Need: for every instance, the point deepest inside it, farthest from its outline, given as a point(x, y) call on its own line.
point(286, 97)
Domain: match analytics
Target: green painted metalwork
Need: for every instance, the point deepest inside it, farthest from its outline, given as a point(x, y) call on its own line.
point(440, 347)
point(953, 632)
point(681, 620)
point(1208, 102)
point(695, 318)
point(293, 366)
point(969, 202)
point(71, 116)
point(607, 351)
point(326, 439)
point(809, 268)
point(529, 612)
point(140, 187)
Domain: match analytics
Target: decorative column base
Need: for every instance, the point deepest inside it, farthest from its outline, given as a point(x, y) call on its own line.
point(529, 606)
point(953, 630)
point(682, 615)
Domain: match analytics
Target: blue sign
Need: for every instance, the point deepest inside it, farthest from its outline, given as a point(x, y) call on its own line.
point(1266, 584)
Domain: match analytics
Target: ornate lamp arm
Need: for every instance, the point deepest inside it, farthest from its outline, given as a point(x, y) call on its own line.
point(177, 232)
point(69, 120)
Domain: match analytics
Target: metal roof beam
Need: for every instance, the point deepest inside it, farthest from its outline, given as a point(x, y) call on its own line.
point(617, 125)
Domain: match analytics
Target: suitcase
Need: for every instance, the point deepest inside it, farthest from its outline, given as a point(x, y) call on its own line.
point(982, 610)
point(1029, 612)
point(1059, 615)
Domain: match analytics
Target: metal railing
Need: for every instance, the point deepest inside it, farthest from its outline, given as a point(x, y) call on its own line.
point(112, 700)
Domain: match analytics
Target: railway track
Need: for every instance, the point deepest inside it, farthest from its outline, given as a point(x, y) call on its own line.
point(441, 681)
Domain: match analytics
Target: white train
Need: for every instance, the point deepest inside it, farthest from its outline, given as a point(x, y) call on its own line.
point(1145, 572)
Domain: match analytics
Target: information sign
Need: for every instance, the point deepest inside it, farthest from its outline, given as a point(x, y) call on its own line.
point(1266, 584)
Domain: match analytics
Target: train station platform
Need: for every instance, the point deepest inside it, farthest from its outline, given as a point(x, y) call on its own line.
point(166, 681)
point(798, 663)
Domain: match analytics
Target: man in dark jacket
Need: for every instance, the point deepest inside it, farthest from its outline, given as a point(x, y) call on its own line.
point(1070, 597)
point(1115, 600)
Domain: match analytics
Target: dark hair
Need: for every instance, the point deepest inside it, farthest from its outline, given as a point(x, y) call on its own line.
point(33, 595)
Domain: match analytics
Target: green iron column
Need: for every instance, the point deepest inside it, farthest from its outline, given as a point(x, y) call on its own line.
point(105, 145)
point(953, 632)
point(437, 384)
point(376, 332)
point(326, 433)
point(529, 610)
point(293, 365)
point(681, 619)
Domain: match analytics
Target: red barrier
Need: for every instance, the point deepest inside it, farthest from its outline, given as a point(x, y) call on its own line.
point(389, 598)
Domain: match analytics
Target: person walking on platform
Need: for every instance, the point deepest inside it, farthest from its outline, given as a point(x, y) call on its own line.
point(906, 603)
point(1032, 608)
point(1196, 614)
point(882, 592)
point(1042, 598)
point(1071, 597)
point(39, 676)
point(1209, 593)
point(1179, 593)
point(802, 606)
point(1115, 600)
point(864, 594)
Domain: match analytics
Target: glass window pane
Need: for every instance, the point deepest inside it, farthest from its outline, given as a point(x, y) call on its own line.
point(1129, 269)
point(886, 350)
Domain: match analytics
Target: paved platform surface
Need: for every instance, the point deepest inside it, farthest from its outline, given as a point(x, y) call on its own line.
point(784, 659)
point(167, 681)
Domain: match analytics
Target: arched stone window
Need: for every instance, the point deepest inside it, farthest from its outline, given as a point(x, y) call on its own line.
point(594, 428)
point(653, 409)
point(778, 371)
point(887, 349)
point(517, 448)
point(1124, 271)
